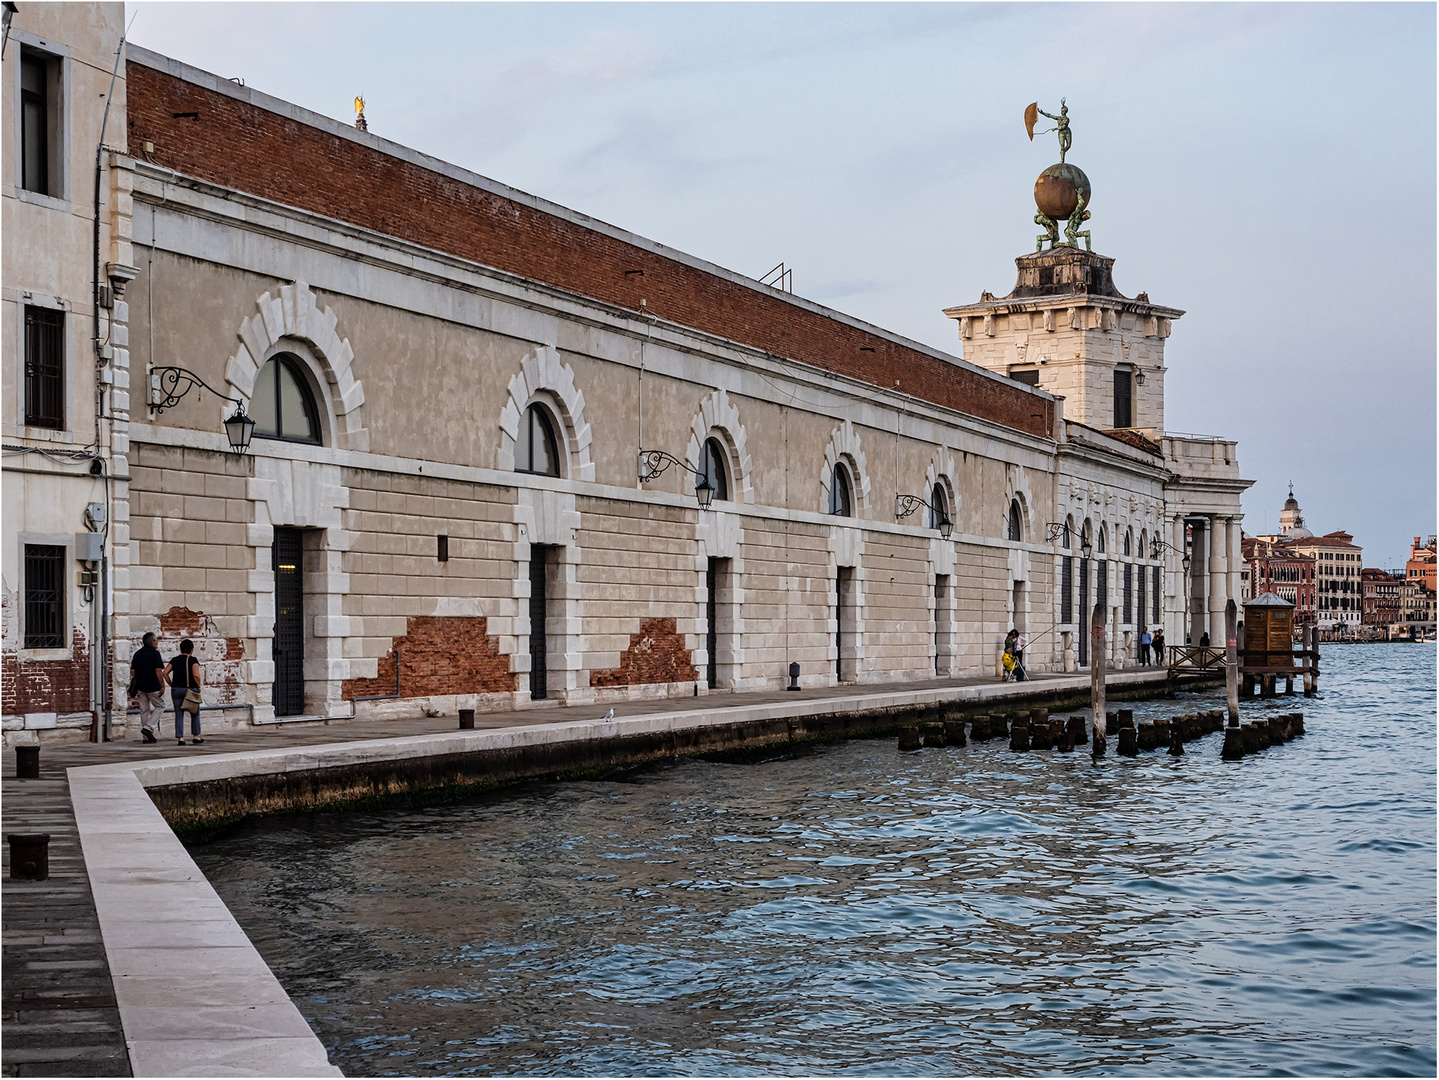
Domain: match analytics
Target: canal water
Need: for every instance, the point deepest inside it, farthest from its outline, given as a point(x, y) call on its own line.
point(851, 910)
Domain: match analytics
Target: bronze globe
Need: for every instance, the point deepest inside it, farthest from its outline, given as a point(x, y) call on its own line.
point(1058, 190)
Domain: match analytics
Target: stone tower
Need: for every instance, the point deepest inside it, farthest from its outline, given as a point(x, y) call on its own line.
point(1291, 518)
point(1066, 329)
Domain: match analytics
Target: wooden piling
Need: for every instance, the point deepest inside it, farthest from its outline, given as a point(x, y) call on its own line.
point(1096, 677)
point(954, 732)
point(909, 737)
point(1233, 744)
point(1128, 742)
point(1231, 661)
point(1019, 736)
point(934, 735)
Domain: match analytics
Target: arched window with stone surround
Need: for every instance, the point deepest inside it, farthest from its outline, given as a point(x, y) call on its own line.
point(712, 468)
point(536, 449)
point(282, 405)
point(1016, 521)
point(841, 491)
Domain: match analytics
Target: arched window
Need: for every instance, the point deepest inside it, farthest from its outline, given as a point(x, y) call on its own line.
point(1016, 521)
point(282, 406)
point(1128, 538)
point(841, 492)
point(712, 459)
point(536, 450)
point(1065, 538)
point(939, 507)
point(1099, 541)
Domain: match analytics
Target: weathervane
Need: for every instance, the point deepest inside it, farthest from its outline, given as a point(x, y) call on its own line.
point(1062, 191)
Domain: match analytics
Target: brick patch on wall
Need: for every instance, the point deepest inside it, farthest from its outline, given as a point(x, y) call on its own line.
point(657, 654)
point(38, 686)
point(221, 658)
point(238, 145)
point(440, 654)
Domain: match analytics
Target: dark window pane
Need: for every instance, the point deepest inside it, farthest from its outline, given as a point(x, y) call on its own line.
point(1123, 398)
point(296, 420)
point(282, 406)
point(537, 451)
point(1016, 521)
point(938, 506)
point(1029, 378)
point(712, 466)
point(44, 367)
point(44, 596)
point(34, 123)
point(839, 492)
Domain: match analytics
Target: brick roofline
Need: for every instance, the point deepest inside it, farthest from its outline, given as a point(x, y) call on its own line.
point(249, 141)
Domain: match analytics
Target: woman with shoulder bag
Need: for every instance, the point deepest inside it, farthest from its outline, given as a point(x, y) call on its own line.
point(185, 678)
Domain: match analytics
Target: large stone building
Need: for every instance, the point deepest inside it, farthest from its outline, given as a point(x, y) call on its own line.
point(1337, 562)
point(484, 425)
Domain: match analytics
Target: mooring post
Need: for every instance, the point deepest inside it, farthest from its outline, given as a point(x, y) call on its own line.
point(1311, 636)
point(1314, 658)
point(1231, 661)
point(1096, 676)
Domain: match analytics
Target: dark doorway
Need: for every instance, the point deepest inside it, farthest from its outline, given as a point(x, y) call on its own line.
point(539, 640)
point(712, 573)
point(845, 627)
point(287, 558)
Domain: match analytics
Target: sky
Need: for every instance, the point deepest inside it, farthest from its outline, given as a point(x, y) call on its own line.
point(1269, 169)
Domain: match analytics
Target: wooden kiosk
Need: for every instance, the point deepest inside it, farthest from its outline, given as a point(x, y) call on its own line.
point(1268, 652)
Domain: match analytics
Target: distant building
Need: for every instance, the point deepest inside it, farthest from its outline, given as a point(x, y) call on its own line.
point(1274, 566)
point(1383, 596)
point(1420, 566)
point(1338, 592)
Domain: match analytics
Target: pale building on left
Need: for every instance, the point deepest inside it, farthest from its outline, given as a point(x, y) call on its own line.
point(66, 391)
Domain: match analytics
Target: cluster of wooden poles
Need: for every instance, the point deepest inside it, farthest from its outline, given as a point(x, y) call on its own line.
point(1261, 735)
point(1035, 730)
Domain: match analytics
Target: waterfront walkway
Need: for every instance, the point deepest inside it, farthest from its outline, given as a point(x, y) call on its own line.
point(60, 1012)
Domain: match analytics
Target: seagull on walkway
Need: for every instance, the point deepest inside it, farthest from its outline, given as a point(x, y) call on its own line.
point(609, 715)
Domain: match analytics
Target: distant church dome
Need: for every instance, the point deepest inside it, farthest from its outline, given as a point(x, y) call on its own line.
point(1291, 519)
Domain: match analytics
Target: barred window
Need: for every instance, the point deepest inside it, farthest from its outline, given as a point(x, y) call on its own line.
point(1066, 590)
point(1128, 592)
point(44, 596)
point(1156, 594)
point(44, 367)
point(1140, 605)
point(1101, 591)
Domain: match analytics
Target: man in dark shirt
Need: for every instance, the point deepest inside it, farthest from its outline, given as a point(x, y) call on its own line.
point(147, 676)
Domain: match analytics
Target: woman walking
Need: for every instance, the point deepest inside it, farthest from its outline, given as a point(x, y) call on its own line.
point(185, 678)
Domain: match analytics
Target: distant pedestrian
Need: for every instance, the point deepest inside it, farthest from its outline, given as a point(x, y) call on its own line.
point(185, 680)
point(1204, 640)
point(1021, 642)
point(147, 686)
point(1159, 647)
point(1144, 642)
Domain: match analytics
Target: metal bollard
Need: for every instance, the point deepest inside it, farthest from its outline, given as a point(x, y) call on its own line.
point(793, 677)
point(29, 856)
point(467, 719)
point(27, 763)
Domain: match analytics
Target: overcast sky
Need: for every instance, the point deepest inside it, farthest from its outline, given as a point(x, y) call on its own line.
point(1270, 169)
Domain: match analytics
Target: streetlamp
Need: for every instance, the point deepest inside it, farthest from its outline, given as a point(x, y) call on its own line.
point(904, 505)
point(173, 383)
point(654, 462)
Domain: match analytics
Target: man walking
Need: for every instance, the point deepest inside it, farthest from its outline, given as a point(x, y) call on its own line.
point(147, 678)
point(1159, 646)
point(1144, 643)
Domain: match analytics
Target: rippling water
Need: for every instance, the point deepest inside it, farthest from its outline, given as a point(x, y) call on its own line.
point(854, 910)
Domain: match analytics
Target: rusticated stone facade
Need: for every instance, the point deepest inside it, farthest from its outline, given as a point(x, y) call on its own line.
point(434, 320)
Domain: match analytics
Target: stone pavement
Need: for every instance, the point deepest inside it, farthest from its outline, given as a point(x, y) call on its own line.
point(60, 1015)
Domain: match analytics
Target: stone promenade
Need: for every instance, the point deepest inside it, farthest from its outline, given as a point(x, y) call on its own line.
point(60, 1014)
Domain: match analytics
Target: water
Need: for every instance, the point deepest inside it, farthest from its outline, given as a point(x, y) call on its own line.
point(853, 910)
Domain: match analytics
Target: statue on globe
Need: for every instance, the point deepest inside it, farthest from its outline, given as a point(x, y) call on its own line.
point(1062, 192)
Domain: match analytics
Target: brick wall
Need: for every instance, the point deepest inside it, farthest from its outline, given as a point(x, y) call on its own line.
point(446, 654)
point(44, 686)
point(241, 146)
point(657, 654)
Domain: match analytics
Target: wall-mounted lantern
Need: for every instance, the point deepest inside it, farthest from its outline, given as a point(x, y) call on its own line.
point(904, 505)
point(173, 383)
point(654, 462)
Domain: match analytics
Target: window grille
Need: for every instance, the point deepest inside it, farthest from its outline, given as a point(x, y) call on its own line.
point(44, 367)
point(44, 596)
point(1066, 590)
point(1128, 593)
